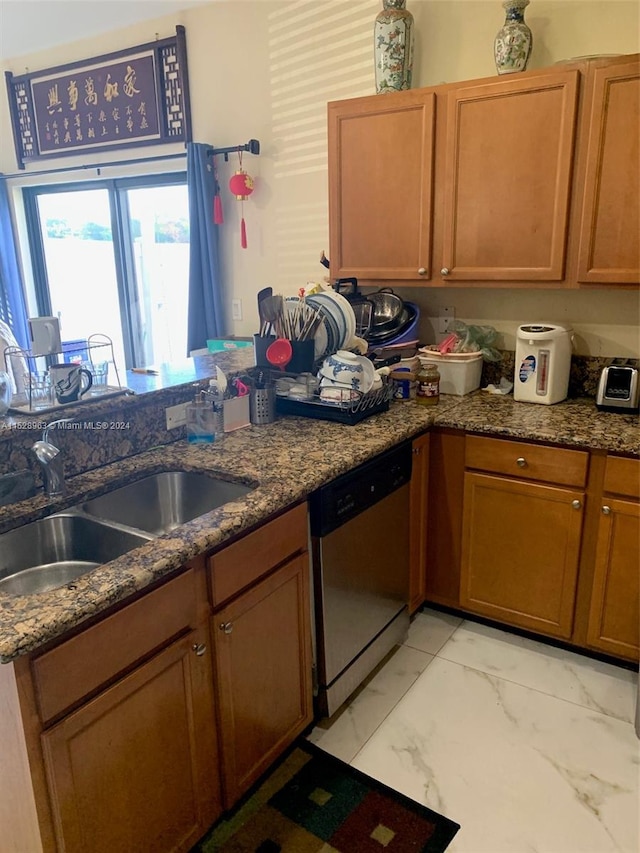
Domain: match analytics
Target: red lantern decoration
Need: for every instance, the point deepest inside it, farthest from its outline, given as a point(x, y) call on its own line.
point(241, 185)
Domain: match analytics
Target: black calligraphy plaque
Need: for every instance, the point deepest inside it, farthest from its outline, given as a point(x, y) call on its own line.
point(130, 98)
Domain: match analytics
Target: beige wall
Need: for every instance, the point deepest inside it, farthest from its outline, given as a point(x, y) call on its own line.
point(265, 69)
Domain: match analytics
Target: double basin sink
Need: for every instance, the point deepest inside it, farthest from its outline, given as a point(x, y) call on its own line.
point(56, 550)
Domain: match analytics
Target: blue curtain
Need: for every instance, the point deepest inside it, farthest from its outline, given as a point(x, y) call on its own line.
point(13, 310)
point(206, 312)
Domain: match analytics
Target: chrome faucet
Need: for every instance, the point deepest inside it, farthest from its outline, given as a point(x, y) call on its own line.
point(50, 458)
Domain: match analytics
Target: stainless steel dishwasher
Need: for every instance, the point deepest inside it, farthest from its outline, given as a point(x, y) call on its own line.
point(360, 554)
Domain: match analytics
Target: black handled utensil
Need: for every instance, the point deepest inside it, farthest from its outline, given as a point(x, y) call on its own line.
point(264, 294)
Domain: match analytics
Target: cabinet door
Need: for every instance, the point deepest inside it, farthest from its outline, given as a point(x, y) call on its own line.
point(263, 660)
point(609, 237)
point(520, 550)
point(418, 523)
point(614, 620)
point(507, 180)
point(380, 194)
point(446, 485)
point(136, 768)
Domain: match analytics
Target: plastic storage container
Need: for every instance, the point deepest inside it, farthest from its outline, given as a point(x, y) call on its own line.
point(458, 376)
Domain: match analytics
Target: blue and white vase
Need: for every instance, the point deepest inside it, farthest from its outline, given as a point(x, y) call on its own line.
point(393, 47)
point(512, 46)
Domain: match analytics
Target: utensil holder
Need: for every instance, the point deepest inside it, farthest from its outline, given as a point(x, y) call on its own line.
point(260, 346)
point(262, 406)
point(301, 360)
point(236, 413)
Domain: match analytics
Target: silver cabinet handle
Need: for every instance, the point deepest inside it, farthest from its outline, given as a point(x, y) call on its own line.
point(521, 462)
point(199, 649)
point(606, 510)
point(576, 504)
point(227, 627)
point(444, 271)
point(422, 271)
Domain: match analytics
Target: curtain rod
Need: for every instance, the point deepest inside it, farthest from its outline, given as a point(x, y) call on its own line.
point(252, 146)
point(97, 166)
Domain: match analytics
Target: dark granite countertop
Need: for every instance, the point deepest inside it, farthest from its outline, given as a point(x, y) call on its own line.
point(575, 422)
point(285, 461)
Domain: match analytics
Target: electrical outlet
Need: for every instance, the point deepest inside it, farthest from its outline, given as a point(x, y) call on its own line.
point(236, 309)
point(446, 318)
point(176, 416)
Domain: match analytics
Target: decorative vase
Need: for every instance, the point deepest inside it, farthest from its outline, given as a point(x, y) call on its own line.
point(512, 46)
point(393, 47)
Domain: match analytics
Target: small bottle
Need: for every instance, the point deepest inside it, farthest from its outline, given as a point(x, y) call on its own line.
point(428, 390)
point(200, 421)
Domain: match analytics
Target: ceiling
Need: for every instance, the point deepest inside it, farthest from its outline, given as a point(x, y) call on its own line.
point(29, 26)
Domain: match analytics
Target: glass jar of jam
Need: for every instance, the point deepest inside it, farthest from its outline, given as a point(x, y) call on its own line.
point(428, 385)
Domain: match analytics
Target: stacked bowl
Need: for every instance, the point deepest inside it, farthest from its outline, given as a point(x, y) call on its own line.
point(345, 376)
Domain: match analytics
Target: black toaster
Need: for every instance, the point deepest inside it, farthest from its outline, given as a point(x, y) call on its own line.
point(618, 389)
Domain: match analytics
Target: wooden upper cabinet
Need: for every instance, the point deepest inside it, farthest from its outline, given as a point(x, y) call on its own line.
point(380, 186)
point(507, 179)
point(609, 249)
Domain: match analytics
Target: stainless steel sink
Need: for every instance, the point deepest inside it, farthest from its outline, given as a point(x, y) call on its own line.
point(56, 550)
point(161, 502)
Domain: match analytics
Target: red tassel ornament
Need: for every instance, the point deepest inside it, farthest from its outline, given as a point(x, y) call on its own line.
point(243, 234)
point(218, 217)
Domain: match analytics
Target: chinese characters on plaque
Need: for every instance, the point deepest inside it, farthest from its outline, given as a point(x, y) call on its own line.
point(100, 105)
point(131, 98)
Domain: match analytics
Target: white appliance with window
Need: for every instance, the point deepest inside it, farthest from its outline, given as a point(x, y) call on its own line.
point(543, 362)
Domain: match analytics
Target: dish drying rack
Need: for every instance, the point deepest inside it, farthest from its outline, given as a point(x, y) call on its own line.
point(33, 399)
point(347, 411)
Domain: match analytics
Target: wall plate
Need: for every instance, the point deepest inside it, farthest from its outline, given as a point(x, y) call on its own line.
point(176, 415)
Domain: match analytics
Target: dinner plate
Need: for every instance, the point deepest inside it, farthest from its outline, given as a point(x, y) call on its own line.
point(334, 316)
point(347, 313)
point(328, 332)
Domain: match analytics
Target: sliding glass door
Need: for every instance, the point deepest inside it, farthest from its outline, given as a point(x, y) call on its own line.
point(79, 260)
point(113, 257)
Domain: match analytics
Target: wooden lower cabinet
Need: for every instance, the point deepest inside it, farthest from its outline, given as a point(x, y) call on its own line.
point(446, 478)
point(520, 552)
point(133, 733)
point(136, 767)
point(614, 615)
point(262, 646)
point(418, 523)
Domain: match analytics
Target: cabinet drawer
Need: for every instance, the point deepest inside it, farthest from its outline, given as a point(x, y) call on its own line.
point(242, 563)
point(527, 461)
point(622, 476)
point(82, 664)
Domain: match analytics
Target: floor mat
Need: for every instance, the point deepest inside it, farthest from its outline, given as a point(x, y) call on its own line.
point(315, 803)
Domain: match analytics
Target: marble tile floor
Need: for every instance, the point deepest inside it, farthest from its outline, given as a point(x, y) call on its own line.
point(532, 749)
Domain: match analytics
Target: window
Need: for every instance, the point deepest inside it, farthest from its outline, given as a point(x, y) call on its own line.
point(113, 257)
